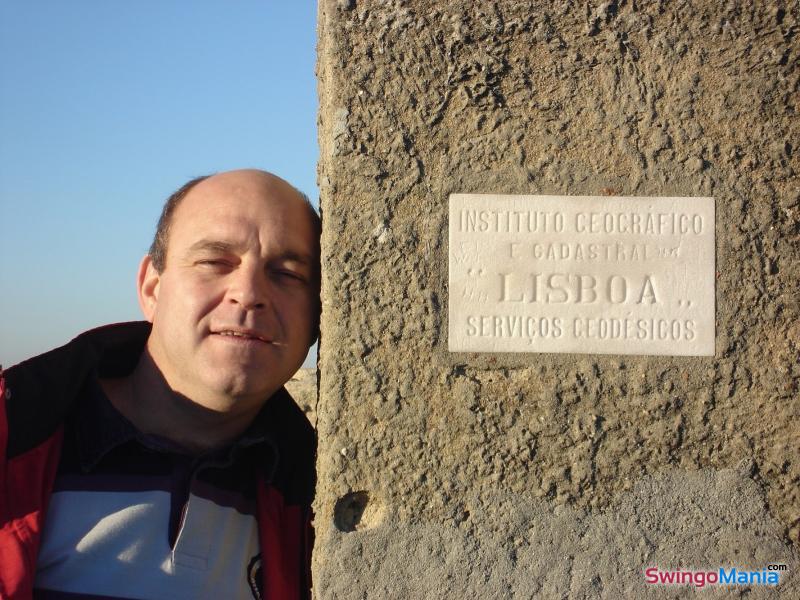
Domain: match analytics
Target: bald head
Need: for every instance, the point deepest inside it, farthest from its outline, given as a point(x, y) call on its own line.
point(252, 182)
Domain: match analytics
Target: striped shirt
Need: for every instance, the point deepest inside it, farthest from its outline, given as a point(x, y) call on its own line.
point(132, 516)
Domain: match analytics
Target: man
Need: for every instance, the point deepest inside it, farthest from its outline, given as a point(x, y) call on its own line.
point(165, 459)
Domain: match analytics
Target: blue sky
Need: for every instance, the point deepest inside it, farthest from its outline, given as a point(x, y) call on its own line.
point(108, 106)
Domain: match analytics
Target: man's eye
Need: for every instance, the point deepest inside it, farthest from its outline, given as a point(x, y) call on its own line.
point(213, 262)
point(291, 275)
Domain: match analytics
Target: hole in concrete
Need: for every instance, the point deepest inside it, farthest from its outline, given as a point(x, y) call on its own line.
point(349, 511)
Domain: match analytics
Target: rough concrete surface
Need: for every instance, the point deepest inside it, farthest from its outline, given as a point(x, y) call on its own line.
point(703, 519)
point(303, 388)
point(469, 475)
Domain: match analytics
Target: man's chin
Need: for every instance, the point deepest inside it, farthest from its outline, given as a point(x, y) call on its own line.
point(246, 380)
point(243, 387)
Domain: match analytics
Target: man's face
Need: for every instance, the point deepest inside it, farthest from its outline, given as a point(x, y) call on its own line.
point(234, 306)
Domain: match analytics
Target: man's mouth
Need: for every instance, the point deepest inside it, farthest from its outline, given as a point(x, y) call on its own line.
point(244, 334)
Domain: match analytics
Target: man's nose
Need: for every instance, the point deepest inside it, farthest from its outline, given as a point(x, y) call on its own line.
point(249, 288)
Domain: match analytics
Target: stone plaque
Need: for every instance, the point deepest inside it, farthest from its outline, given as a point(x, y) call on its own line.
point(584, 274)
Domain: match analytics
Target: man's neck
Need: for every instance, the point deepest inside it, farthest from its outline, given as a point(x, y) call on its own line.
point(147, 401)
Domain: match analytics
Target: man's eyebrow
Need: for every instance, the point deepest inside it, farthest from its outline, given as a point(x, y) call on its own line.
point(212, 245)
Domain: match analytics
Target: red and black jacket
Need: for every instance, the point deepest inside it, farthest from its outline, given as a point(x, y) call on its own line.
point(37, 396)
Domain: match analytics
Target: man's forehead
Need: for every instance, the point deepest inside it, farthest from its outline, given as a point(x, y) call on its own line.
point(247, 184)
point(223, 209)
point(245, 194)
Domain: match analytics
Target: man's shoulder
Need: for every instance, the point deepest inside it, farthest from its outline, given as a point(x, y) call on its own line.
point(40, 391)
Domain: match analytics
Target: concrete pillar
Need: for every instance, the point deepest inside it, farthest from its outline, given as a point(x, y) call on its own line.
point(555, 475)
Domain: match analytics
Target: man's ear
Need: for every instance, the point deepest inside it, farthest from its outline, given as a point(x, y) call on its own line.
point(147, 281)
